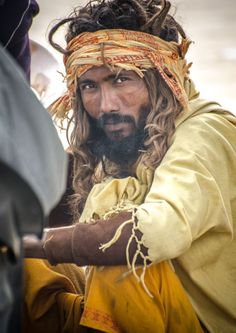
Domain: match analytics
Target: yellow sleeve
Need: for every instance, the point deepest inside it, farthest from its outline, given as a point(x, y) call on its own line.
point(51, 302)
point(191, 193)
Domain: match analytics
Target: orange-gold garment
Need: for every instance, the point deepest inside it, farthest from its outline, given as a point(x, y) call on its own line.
point(53, 300)
point(115, 305)
point(112, 304)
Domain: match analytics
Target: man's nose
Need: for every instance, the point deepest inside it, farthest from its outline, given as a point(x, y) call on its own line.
point(109, 101)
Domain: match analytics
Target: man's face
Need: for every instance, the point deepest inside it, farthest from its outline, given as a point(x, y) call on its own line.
point(119, 105)
point(109, 97)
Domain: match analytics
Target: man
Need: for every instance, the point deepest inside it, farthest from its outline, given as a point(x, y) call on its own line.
point(153, 177)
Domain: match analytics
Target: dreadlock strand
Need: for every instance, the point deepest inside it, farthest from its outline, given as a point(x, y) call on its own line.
point(139, 9)
point(150, 3)
point(158, 17)
point(53, 30)
point(158, 22)
point(180, 29)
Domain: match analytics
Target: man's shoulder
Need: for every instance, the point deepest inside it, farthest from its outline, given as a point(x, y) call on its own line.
point(217, 117)
point(206, 131)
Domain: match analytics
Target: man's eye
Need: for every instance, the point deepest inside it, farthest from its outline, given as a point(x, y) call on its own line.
point(120, 79)
point(87, 86)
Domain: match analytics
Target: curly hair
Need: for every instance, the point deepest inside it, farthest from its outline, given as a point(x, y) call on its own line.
point(150, 17)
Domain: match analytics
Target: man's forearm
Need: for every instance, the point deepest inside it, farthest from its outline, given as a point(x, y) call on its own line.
point(80, 243)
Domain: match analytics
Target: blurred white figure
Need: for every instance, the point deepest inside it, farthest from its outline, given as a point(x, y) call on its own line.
point(46, 79)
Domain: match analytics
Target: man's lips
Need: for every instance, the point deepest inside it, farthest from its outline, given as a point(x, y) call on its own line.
point(112, 126)
point(117, 131)
point(122, 127)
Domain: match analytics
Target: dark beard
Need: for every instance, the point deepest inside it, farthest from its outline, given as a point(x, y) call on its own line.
point(125, 151)
point(122, 152)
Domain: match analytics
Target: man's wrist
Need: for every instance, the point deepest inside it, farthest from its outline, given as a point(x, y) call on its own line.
point(33, 247)
point(57, 245)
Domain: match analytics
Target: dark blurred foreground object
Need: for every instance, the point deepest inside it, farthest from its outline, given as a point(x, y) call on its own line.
point(61, 215)
point(33, 168)
point(16, 17)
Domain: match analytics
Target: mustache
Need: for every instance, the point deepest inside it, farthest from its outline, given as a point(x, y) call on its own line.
point(114, 118)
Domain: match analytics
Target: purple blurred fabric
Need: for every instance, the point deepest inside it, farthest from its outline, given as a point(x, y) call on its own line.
point(11, 14)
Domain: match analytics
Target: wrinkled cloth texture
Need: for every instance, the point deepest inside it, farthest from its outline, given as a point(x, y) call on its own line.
point(114, 304)
point(187, 209)
point(53, 297)
point(54, 304)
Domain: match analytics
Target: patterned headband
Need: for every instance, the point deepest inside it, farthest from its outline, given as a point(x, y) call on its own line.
point(125, 49)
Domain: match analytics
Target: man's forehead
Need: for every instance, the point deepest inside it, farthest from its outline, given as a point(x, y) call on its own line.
point(104, 71)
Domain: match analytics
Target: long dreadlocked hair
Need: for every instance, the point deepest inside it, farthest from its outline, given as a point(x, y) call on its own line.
point(139, 15)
